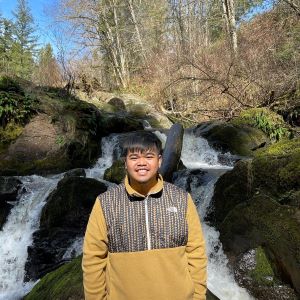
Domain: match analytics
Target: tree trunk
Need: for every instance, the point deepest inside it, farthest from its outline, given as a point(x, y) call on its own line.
point(229, 14)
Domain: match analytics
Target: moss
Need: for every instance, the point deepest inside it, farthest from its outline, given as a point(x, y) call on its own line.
point(263, 221)
point(269, 122)
point(277, 168)
point(11, 132)
point(116, 172)
point(51, 164)
point(63, 283)
point(283, 147)
point(263, 272)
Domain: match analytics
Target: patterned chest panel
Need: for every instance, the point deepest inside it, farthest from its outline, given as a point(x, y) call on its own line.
point(126, 220)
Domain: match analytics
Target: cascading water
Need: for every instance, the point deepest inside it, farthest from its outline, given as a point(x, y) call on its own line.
point(197, 154)
point(16, 235)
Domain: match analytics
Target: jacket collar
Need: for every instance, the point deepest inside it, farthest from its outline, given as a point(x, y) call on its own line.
point(156, 189)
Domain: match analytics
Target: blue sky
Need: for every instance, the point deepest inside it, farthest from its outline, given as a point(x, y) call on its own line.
point(39, 12)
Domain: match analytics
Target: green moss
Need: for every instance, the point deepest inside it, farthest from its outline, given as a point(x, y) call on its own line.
point(11, 132)
point(263, 272)
point(51, 164)
point(63, 283)
point(116, 173)
point(269, 122)
point(283, 147)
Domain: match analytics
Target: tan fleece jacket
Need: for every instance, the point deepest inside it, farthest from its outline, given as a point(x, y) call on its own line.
point(160, 274)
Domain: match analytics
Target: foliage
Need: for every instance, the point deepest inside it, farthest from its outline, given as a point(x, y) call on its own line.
point(269, 122)
point(15, 105)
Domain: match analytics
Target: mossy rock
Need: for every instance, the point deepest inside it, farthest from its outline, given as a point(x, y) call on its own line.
point(262, 274)
point(263, 221)
point(274, 171)
point(277, 169)
point(238, 139)
point(116, 173)
point(70, 203)
point(9, 134)
point(266, 120)
point(61, 284)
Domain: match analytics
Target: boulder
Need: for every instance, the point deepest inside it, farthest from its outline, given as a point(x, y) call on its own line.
point(61, 284)
point(234, 138)
point(65, 134)
point(172, 152)
point(139, 108)
point(9, 190)
point(63, 218)
point(116, 173)
point(257, 204)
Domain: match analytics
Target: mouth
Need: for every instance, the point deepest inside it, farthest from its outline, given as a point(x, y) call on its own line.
point(142, 171)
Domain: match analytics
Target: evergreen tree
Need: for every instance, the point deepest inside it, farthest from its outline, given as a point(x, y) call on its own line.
point(25, 41)
point(6, 42)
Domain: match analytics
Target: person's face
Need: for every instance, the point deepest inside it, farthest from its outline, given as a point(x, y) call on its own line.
point(142, 167)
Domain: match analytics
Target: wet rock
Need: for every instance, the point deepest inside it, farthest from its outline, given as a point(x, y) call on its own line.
point(75, 172)
point(172, 152)
point(234, 138)
point(64, 217)
point(253, 271)
point(116, 173)
point(10, 187)
point(256, 205)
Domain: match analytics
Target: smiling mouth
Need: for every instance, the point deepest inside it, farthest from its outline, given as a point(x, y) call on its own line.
point(142, 171)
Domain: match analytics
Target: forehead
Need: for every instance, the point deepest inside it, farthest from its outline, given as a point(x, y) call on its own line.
point(142, 151)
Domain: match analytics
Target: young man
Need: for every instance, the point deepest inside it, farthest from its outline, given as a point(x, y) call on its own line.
point(144, 239)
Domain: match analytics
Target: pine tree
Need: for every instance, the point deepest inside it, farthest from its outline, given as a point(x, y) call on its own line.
point(25, 41)
point(6, 42)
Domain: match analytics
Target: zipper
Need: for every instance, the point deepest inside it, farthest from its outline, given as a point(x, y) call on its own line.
point(147, 224)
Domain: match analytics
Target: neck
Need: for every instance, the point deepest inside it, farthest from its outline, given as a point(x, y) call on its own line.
point(144, 187)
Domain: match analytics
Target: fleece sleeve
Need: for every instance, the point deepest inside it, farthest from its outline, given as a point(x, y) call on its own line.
point(95, 255)
point(195, 251)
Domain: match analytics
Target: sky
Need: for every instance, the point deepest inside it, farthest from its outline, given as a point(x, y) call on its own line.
point(39, 12)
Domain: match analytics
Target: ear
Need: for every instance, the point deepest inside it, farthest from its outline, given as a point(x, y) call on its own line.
point(159, 160)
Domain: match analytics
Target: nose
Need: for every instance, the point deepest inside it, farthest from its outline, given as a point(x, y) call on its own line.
point(141, 161)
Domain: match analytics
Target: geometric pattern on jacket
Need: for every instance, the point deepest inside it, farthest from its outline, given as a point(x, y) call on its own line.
point(125, 217)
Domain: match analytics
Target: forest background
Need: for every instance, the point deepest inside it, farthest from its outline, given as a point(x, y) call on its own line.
point(193, 59)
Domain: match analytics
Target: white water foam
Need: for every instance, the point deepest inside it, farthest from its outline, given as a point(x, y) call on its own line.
point(16, 235)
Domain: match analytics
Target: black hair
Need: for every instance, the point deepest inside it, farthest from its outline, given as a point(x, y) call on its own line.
point(140, 141)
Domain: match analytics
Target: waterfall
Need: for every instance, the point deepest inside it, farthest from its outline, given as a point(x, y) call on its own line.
point(16, 234)
point(197, 154)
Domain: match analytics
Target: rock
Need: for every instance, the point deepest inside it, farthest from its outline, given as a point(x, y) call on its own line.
point(9, 190)
point(138, 108)
point(63, 283)
point(254, 272)
point(257, 204)
point(172, 152)
point(116, 173)
point(236, 139)
point(64, 217)
point(75, 172)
